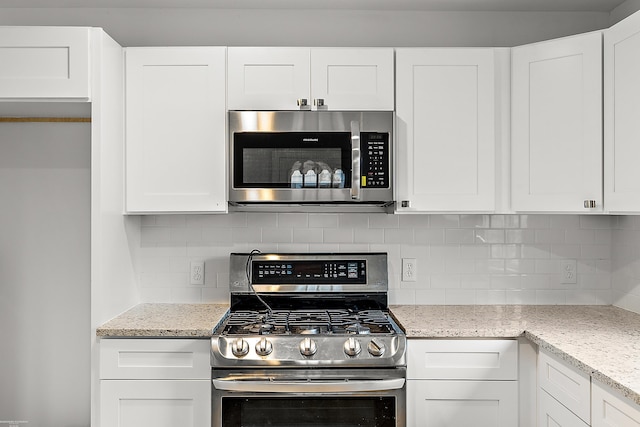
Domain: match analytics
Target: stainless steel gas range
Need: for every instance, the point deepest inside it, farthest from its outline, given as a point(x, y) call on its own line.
point(308, 342)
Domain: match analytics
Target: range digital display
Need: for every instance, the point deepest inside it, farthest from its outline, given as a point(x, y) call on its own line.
point(309, 272)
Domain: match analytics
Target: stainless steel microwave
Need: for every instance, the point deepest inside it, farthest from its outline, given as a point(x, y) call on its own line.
point(322, 161)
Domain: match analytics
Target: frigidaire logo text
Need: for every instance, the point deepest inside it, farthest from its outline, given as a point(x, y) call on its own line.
point(309, 139)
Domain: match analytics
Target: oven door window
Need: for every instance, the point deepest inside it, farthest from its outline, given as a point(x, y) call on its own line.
point(309, 412)
point(269, 159)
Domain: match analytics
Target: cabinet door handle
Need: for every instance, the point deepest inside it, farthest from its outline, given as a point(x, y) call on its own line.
point(302, 102)
point(318, 102)
point(589, 204)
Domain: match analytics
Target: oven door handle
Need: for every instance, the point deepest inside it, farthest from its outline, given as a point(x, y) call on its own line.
point(308, 386)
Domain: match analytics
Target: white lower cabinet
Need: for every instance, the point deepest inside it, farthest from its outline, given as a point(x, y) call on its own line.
point(155, 383)
point(611, 410)
point(438, 403)
point(461, 383)
point(155, 403)
point(552, 413)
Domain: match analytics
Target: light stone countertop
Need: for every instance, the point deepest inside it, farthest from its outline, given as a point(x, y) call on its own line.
point(165, 320)
point(602, 341)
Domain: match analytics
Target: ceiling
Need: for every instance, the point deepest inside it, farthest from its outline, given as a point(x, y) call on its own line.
point(426, 5)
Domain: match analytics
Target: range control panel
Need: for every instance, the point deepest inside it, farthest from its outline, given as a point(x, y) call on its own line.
point(374, 149)
point(309, 272)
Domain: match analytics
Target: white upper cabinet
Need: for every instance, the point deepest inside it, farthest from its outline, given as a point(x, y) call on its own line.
point(339, 79)
point(622, 115)
point(44, 63)
point(175, 130)
point(557, 125)
point(445, 130)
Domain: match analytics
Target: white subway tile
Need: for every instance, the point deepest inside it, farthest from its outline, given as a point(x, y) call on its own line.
point(565, 222)
point(354, 247)
point(505, 251)
point(402, 296)
point(550, 236)
point(512, 221)
point(444, 221)
point(505, 282)
point(458, 235)
point(171, 221)
point(490, 266)
point(186, 295)
point(603, 237)
point(354, 221)
point(489, 236)
point(521, 297)
point(520, 236)
point(475, 251)
point(497, 221)
point(293, 247)
point(384, 221)
point(475, 221)
point(587, 267)
point(157, 295)
point(323, 221)
point(475, 281)
point(594, 281)
point(429, 236)
point(450, 281)
point(148, 220)
point(293, 220)
point(491, 297)
point(551, 297)
point(580, 297)
point(565, 251)
point(324, 247)
point(460, 266)
point(217, 236)
point(580, 236)
point(337, 235)
point(367, 235)
point(179, 264)
point(460, 297)
point(535, 281)
point(413, 221)
point(308, 235)
point(430, 297)
point(535, 251)
point(596, 251)
point(277, 235)
point(215, 296)
point(222, 281)
point(595, 221)
point(414, 251)
point(152, 235)
point(186, 235)
point(246, 235)
point(398, 235)
point(535, 221)
point(260, 219)
point(519, 266)
point(431, 266)
point(444, 251)
point(547, 266)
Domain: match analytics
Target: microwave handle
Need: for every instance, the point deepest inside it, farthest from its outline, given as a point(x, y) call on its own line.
point(355, 160)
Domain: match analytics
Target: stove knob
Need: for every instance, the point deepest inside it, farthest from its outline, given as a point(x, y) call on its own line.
point(376, 348)
point(264, 347)
point(352, 347)
point(308, 347)
point(240, 348)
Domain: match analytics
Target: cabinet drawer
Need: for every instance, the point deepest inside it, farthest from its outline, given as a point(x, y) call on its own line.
point(155, 359)
point(569, 386)
point(462, 403)
point(462, 359)
point(609, 410)
point(552, 413)
point(44, 62)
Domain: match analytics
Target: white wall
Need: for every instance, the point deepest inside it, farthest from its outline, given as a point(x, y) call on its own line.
point(44, 273)
point(462, 259)
point(624, 10)
point(174, 27)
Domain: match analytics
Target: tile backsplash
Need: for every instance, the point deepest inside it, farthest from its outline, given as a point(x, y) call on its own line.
point(625, 280)
point(461, 259)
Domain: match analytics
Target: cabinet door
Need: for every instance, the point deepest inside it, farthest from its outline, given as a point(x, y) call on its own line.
point(352, 79)
point(175, 130)
point(621, 106)
point(44, 62)
point(265, 78)
point(557, 125)
point(445, 130)
point(462, 403)
point(609, 410)
point(155, 403)
point(551, 413)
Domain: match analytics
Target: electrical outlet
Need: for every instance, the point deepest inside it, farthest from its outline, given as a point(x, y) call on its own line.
point(197, 273)
point(569, 271)
point(409, 270)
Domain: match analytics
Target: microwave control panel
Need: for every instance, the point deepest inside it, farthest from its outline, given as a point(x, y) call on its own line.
point(374, 165)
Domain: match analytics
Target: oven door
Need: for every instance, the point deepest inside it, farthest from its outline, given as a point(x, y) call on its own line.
point(309, 398)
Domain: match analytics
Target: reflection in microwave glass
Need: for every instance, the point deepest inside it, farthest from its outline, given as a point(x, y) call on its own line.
point(275, 165)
